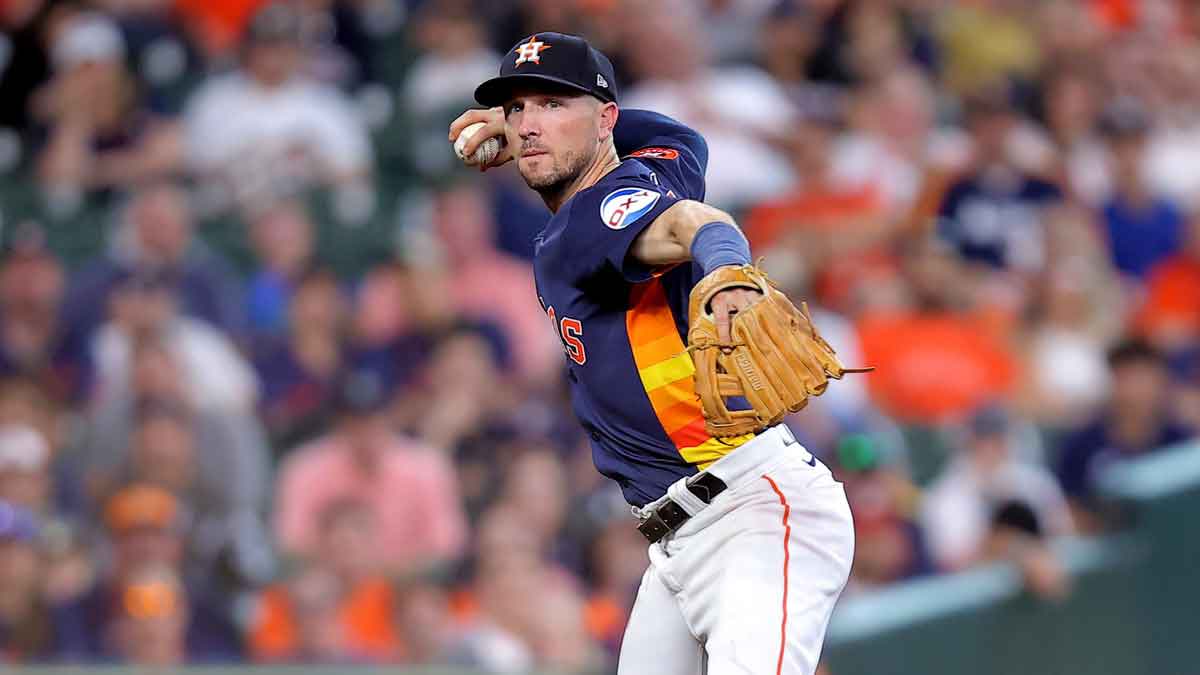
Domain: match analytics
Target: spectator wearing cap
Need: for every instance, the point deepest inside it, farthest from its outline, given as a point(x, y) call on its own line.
point(1134, 421)
point(409, 489)
point(25, 469)
point(268, 130)
point(219, 459)
point(35, 342)
point(101, 134)
point(157, 234)
point(995, 214)
point(144, 308)
point(984, 474)
point(27, 627)
point(1142, 227)
point(148, 528)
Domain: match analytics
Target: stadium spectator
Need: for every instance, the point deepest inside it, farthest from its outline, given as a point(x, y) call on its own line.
point(424, 623)
point(985, 473)
point(995, 214)
point(1142, 227)
point(268, 130)
point(1065, 371)
point(34, 341)
point(745, 161)
point(144, 308)
point(889, 544)
point(150, 622)
point(148, 527)
point(218, 458)
point(27, 626)
point(283, 237)
point(409, 488)
point(101, 132)
point(1017, 534)
point(454, 60)
point(299, 372)
point(1134, 421)
point(157, 233)
point(1169, 315)
point(342, 588)
point(933, 336)
point(489, 285)
point(26, 479)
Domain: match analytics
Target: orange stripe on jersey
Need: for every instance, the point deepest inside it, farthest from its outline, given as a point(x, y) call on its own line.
point(666, 371)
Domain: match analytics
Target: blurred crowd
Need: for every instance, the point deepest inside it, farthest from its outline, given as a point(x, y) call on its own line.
point(225, 439)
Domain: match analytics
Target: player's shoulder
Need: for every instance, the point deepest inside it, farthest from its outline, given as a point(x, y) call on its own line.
point(619, 198)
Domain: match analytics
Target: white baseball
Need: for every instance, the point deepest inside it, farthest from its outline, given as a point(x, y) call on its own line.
point(486, 151)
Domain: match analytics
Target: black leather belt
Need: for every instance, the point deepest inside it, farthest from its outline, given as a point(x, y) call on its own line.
point(669, 516)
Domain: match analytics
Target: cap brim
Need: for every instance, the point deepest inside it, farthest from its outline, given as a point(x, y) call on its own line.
point(496, 91)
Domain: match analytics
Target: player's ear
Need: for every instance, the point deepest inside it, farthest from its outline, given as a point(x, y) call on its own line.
point(608, 119)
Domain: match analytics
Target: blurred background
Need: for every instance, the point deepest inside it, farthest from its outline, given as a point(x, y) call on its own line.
point(275, 387)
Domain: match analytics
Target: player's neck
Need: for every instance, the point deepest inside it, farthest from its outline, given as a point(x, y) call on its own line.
point(606, 160)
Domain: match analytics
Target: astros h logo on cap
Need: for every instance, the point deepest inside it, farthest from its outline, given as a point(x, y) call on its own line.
point(530, 51)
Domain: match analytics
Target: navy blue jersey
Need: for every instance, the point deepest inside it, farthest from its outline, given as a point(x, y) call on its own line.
point(623, 326)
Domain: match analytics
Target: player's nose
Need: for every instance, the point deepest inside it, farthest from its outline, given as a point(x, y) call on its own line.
point(529, 125)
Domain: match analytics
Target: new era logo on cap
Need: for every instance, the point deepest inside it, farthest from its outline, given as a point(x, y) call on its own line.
point(600, 81)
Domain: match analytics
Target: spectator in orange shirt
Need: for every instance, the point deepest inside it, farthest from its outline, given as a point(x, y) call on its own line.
point(933, 361)
point(831, 224)
point(1170, 315)
point(338, 607)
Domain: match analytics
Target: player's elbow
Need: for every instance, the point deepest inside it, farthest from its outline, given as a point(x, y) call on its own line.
point(696, 214)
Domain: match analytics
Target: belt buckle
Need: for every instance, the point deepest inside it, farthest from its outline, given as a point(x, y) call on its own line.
point(654, 527)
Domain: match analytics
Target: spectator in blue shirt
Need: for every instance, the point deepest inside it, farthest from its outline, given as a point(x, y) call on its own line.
point(1142, 228)
point(994, 214)
point(1135, 421)
point(158, 235)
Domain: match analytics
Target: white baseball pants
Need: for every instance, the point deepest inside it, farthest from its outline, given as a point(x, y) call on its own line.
point(747, 584)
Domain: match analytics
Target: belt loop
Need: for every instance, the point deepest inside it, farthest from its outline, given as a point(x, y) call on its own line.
point(681, 495)
point(786, 434)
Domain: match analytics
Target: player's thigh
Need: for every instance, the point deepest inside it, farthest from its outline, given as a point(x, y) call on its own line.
point(657, 640)
point(780, 581)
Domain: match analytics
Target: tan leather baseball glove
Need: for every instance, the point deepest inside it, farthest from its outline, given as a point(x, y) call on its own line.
point(775, 358)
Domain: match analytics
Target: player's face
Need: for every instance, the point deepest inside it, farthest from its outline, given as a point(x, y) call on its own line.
point(554, 135)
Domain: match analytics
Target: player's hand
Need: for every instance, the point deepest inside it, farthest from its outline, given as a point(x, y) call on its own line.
point(727, 303)
point(493, 118)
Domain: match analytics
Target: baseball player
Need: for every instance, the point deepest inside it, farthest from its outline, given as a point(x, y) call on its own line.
point(751, 538)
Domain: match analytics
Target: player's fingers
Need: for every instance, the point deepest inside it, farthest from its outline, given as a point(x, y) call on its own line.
point(471, 117)
point(493, 128)
point(721, 316)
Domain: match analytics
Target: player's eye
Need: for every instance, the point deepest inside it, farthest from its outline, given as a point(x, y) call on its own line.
point(553, 103)
point(514, 108)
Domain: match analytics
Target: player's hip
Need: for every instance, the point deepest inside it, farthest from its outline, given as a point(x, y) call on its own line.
point(769, 473)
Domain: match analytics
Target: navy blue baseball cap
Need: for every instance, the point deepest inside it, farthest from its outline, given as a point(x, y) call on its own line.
point(566, 60)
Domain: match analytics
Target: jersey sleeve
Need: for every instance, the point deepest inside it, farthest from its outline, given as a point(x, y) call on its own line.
point(664, 145)
point(604, 225)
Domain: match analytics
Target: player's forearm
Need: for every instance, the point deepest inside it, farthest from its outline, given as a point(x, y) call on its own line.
point(692, 230)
